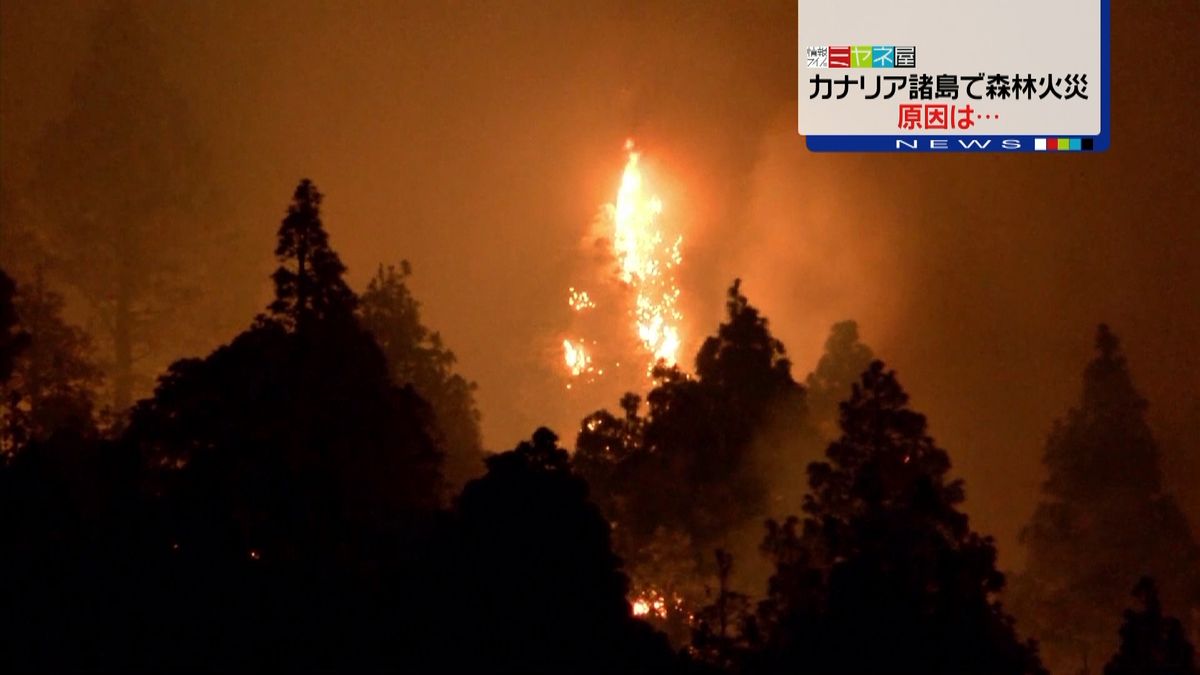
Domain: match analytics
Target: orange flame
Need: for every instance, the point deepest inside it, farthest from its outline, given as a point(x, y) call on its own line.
point(577, 357)
point(647, 258)
point(652, 604)
point(647, 262)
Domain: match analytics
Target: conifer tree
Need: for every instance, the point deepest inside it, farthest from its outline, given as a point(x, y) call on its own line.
point(1103, 518)
point(417, 356)
point(308, 282)
point(1151, 643)
point(293, 433)
point(128, 211)
point(829, 384)
point(885, 575)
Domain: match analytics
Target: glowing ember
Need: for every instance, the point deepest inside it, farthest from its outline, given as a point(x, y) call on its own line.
point(646, 258)
point(641, 607)
point(578, 360)
point(580, 300)
point(652, 605)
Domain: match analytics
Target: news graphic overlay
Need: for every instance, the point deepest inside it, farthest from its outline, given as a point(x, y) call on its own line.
point(953, 76)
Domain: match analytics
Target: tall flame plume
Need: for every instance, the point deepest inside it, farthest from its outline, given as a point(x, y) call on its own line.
point(647, 258)
point(647, 263)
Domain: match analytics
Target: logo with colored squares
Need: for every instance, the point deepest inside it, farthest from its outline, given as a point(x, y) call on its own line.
point(861, 56)
point(1064, 144)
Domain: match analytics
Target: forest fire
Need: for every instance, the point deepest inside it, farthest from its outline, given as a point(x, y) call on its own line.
point(647, 262)
point(644, 606)
point(646, 258)
point(577, 357)
point(458, 413)
point(653, 605)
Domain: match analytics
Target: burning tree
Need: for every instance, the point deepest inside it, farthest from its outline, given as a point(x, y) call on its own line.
point(643, 256)
point(692, 467)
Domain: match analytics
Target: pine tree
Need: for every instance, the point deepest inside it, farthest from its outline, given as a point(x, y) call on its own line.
point(294, 430)
point(744, 359)
point(126, 203)
point(1151, 643)
point(845, 358)
point(1103, 519)
point(417, 356)
point(308, 283)
point(885, 575)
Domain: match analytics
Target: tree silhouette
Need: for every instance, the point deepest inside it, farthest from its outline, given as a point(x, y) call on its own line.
point(689, 462)
point(126, 205)
point(696, 463)
point(12, 339)
point(884, 575)
point(845, 358)
point(54, 381)
point(1151, 644)
point(726, 630)
point(743, 358)
point(1103, 518)
point(544, 592)
point(308, 283)
point(304, 393)
point(417, 356)
point(608, 446)
point(288, 467)
point(693, 469)
point(272, 507)
point(709, 458)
